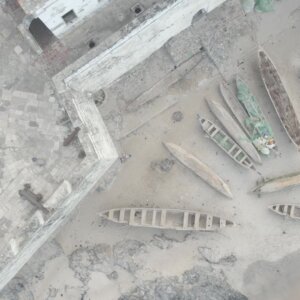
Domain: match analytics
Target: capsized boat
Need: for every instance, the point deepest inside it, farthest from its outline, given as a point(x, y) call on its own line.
point(234, 106)
point(226, 143)
point(200, 169)
point(161, 218)
point(278, 184)
point(289, 210)
point(234, 130)
point(279, 97)
point(261, 133)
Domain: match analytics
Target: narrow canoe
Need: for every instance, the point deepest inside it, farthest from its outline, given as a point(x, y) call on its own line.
point(278, 184)
point(175, 219)
point(234, 130)
point(234, 106)
point(289, 210)
point(199, 168)
point(279, 98)
point(226, 143)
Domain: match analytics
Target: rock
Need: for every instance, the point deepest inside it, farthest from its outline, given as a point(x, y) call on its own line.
point(124, 252)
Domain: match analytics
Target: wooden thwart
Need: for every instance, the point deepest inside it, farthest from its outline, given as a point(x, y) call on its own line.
point(227, 144)
point(287, 210)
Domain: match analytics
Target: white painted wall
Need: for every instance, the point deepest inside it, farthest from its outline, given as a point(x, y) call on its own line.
point(51, 13)
point(139, 44)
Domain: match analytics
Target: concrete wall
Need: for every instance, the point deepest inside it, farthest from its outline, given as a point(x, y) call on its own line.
point(139, 44)
point(51, 13)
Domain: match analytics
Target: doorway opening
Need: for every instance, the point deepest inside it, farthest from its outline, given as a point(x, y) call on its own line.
point(41, 33)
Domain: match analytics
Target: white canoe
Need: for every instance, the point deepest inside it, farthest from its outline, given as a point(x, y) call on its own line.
point(175, 219)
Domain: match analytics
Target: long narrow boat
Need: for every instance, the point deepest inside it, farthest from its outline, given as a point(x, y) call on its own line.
point(226, 143)
point(234, 130)
point(200, 169)
point(279, 97)
point(256, 122)
point(234, 106)
point(278, 184)
point(287, 210)
point(175, 219)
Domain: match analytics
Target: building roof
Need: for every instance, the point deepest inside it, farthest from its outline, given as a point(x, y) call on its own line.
point(31, 6)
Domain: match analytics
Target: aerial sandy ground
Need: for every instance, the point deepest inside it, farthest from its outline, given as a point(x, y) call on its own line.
point(259, 259)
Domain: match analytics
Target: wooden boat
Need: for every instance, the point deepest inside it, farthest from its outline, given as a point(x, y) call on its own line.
point(279, 98)
point(226, 143)
point(235, 107)
point(278, 184)
point(166, 219)
point(289, 210)
point(199, 168)
point(234, 130)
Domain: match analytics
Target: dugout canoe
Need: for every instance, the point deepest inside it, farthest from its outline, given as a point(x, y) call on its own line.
point(279, 97)
point(199, 168)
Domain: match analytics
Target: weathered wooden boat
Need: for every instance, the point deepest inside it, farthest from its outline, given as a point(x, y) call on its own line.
point(234, 106)
point(200, 169)
point(279, 97)
point(256, 122)
point(226, 143)
point(166, 219)
point(287, 210)
point(234, 130)
point(278, 184)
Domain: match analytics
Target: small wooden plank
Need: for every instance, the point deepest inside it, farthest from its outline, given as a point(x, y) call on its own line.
point(122, 215)
point(197, 219)
point(163, 217)
point(222, 223)
point(143, 217)
point(185, 219)
point(111, 214)
point(131, 217)
point(153, 217)
point(208, 222)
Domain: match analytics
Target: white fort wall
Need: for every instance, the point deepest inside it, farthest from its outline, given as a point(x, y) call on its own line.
point(139, 44)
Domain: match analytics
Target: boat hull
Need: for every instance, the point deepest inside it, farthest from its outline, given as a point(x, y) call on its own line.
point(174, 219)
point(199, 168)
point(278, 184)
point(279, 98)
point(234, 130)
point(286, 210)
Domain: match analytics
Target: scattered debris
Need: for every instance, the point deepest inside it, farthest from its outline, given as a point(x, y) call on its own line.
point(278, 183)
point(81, 154)
point(34, 199)
point(177, 116)
point(166, 219)
point(99, 97)
point(230, 147)
point(215, 256)
point(39, 161)
point(200, 169)
point(234, 130)
point(124, 157)
point(164, 165)
point(280, 98)
point(260, 131)
point(289, 210)
point(71, 136)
